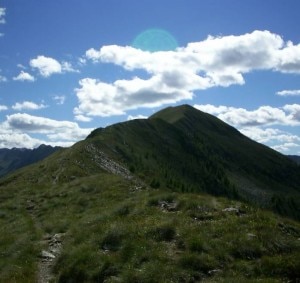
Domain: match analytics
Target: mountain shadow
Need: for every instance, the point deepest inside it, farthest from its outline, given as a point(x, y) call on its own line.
point(15, 158)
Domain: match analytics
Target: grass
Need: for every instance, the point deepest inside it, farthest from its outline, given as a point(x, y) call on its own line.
point(116, 234)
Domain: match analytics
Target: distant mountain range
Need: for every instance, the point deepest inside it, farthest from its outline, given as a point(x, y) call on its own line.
point(181, 192)
point(15, 158)
point(296, 158)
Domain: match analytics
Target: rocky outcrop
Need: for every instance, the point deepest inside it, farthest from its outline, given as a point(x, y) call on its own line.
point(106, 163)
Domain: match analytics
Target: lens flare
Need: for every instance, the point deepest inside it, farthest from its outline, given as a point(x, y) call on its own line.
point(155, 40)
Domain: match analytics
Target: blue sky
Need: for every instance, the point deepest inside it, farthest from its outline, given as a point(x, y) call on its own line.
point(67, 67)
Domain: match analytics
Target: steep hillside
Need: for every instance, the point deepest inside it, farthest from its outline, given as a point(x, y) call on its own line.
point(15, 158)
point(186, 150)
point(237, 152)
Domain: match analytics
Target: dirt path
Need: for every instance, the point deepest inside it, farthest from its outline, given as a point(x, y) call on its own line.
point(51, 247)
point(48, 256)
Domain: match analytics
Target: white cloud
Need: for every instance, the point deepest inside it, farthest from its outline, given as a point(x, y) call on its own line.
point(60, 99)
point(28, 105)
point(284, 148)
point(20, 140)
point(3, 108)
point(175, 75)
point(67, 67)
point(19, 129)
point(23, 76)
point(294, 110)
point(2, 15)
point(82, 118)
point(288, 58)
point(48, 66)
point(97, 98)
point(293, 92)
point(131, 117)
point(265, 115)
point(270, 135)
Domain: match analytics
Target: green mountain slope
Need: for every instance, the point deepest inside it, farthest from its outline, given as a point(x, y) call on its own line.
point(187, 150)
point(167, 194)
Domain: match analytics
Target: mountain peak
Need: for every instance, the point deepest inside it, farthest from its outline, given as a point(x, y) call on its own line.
point(189, 118)
point(174, 113)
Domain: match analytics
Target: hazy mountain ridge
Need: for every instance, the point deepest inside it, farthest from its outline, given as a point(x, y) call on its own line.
point(15, 158)
point(296, 158)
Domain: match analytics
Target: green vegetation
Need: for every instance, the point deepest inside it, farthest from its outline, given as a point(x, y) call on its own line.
point(116, 234)
point(158, 200)
point(186, 150)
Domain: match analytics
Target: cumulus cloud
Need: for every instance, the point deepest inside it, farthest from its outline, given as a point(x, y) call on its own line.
point(28, 105)
point(270, 135)
point(294, 110)
point(10, 140)
point(262, 116)
point(18, 131)
point(19, 140)
point(293, 92)
point(48, 66)
point(2, 15)
point(285, 147)
point(23, 76)
point(82, 118)
point(3, 108)
point(97, 98)
point(175, 75)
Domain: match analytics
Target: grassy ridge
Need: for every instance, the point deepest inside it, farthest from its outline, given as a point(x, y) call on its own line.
point(118, 233)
